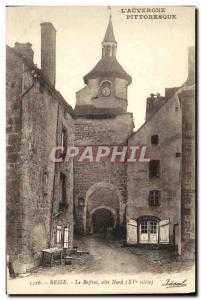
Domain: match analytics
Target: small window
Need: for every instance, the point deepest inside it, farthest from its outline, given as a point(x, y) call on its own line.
point(58, 234)
point(154, 168)
point(45, 183)
point(154, 139)
point(45, 178)
point(63, 138)
point(178, 154)
point(154, 198)
point(81, 202)
point(62, 190)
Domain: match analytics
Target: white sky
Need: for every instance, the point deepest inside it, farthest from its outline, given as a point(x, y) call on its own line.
point(153, 52)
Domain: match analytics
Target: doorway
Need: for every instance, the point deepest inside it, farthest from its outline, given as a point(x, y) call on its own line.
point(148, 232)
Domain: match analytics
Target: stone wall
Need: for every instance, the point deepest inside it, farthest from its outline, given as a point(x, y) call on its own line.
point(65, 218)
point(93, 180)
point(15, 217)
point(187, 99)
point(111, 131)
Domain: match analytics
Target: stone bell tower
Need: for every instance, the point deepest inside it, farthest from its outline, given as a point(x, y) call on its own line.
point(102, 119)
point(106, 84)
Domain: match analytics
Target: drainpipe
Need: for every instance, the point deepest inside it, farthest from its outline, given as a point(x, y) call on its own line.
point(53, 191)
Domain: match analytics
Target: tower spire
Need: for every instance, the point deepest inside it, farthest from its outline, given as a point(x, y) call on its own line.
point(110, 10)
point(109, 44)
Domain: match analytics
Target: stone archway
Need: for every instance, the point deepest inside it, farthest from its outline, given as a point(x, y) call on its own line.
point(103, 195)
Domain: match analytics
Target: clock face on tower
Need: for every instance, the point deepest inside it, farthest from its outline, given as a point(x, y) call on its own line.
point(106, 91)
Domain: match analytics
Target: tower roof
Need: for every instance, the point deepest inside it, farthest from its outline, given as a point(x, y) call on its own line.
point(109, 35)
point(108, 66)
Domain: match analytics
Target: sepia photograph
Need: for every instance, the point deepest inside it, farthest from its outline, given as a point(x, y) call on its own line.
point(100, 146)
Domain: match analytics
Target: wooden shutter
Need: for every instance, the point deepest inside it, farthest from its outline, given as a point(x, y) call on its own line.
point(58, 234)
point(131, 231)
point(66, 237)
point(164, 232)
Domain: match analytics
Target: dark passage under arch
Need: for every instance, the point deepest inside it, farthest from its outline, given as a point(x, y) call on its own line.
point(102, 219)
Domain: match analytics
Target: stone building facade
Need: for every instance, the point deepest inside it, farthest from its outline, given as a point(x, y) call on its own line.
point(39, 192)
point(161, 192)
point(154, 187)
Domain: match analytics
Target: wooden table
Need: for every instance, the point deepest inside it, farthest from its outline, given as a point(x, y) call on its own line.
point(50, 252)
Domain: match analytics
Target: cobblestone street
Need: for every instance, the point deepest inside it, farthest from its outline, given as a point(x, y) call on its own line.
point(110, 257)
point(107, 256)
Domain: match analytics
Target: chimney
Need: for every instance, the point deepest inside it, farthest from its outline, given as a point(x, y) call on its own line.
point(48, 51)
point(25, 50)
point(154, 102)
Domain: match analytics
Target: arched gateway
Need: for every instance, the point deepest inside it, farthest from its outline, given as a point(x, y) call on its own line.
point(103, 207)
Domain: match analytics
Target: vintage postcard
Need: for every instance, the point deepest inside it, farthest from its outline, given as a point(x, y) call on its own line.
point(100, 120)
